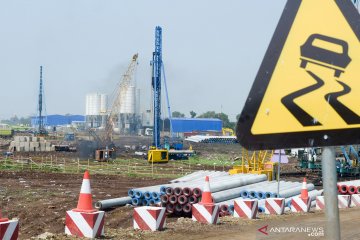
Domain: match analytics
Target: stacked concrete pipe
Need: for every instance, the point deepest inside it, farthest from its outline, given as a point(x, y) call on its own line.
point(349, 187)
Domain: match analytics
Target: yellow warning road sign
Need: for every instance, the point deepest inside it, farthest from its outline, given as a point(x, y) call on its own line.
point(307, 90)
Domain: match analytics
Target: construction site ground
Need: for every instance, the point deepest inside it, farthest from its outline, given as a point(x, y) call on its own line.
point(40, 200)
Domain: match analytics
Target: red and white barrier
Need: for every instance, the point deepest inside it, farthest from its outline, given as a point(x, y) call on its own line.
point(355, 200)
point(9, 230)
point(344, 201)
point(207, 213)
point(84, 224)
point(320, 203)
point(149, 218)
point(246, 208)
point(299, 204)
point(275, 206)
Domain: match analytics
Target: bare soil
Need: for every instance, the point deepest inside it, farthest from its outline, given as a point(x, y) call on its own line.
point(40, 201)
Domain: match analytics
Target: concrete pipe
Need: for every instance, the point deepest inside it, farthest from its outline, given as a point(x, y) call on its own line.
point(147, 195)
point(187, 191)
point(358, 189)
point(187, 208)
point(145, 202)
point(131, 193)
point(155, 195)
point(343, 189)
point(260, 195)
point(182, 199)
point(151, 202)
point(112, 203)
point(252, 194)
point(224, 208)
point(178, 191)
point(178, 207)
point(170, 208)
point(295, 191)
point(136, 201)
point(234, 192)
point(162, 190)
point(231, 208)
point(351, 189)
point(193, 199)
point(197, 192)
point(261, 209)
point(169, 191)
point(164, 198)
point(173, 199)
point(138, 194)
point(244, 194)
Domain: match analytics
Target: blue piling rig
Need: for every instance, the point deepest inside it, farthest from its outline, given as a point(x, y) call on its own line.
point(156, 84)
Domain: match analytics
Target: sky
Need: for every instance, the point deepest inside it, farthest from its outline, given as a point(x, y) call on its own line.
point(212, 51)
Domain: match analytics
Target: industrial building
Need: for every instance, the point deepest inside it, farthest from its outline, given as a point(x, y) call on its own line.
point(58, 120)
point(191, 126)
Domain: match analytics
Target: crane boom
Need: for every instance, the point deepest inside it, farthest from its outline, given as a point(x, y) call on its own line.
point(113, 114)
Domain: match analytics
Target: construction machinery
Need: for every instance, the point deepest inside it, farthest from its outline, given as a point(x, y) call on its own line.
point(156, 154)
point(104, 137)
point(258, 162)
point(41, 131)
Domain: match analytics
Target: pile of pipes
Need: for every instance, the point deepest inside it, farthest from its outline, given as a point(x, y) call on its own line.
point(180, 200)
point(349, 187)
point(179, 194)
point(179, 197)
point(212, 139)
point(145, 196)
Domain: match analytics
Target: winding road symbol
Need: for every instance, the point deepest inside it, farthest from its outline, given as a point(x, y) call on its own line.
point(329, 59)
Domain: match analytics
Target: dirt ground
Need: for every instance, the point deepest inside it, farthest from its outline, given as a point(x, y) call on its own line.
point(40, 201)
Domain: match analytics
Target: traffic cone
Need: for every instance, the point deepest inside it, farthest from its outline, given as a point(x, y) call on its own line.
point(3, 219)
point(206, 194)
point(304, 191)
point(85, 198)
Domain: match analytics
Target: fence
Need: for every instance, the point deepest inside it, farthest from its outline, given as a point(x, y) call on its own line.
point(131, 167)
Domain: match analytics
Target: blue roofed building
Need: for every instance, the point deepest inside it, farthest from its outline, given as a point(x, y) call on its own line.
point(58, 120)
point(186, 125)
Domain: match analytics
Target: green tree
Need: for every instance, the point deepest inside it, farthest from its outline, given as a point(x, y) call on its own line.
point(177, 114)
point(192, 114)
point(222, 116)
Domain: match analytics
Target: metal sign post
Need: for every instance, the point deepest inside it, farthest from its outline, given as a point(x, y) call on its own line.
point(332, 229)
point(278, 174)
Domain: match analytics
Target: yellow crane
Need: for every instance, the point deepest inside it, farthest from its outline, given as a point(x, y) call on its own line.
point(257, 162)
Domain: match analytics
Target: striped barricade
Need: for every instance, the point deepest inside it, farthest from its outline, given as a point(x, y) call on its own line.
point(275, 206)
point(299, 204)
point(149, 218)
point(82, 224)
point(344, 201)
point(355, 200)
point(9, 230)
point(205, 213)
point(246, 208)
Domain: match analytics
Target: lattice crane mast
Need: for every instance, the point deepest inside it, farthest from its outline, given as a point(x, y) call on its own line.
point(118, 101)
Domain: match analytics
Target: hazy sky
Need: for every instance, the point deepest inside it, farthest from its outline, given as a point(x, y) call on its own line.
point(211, 50)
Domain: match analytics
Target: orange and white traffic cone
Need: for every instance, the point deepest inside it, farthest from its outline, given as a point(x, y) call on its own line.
point(3, 219)
point(206, 194)
point(304, 192)
point(85, 198)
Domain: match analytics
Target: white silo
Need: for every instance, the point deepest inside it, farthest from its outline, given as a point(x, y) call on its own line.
point(95, 110)
point(127, 100)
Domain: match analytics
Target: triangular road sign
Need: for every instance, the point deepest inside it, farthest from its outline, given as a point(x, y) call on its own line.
point(307, 90)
